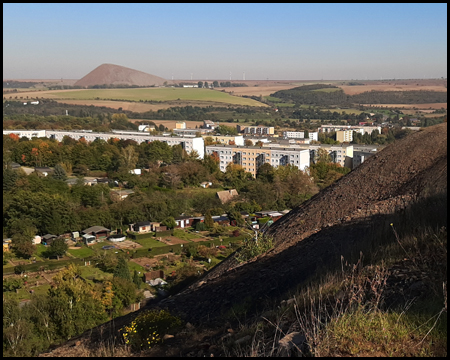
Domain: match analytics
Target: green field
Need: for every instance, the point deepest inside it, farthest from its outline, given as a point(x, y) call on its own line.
point(24, 293)
point(82, 252)
point(133, 266)
point(184, 235)
point(154, 94)
point(273, 99)
point(91, 271)
point(150, 243)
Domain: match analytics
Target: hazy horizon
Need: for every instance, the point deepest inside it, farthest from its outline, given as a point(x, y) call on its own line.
point(208, 41)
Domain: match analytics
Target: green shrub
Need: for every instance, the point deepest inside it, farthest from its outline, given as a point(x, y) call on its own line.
point(253, 247)
point(200, 226)
point(149, 328)
point(19, 269)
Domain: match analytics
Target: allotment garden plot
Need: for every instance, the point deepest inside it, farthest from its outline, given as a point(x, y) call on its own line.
point(172, 240)
point(127, 244)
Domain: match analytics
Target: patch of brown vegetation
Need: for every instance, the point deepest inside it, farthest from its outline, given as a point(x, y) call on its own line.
point(357, 89)
point(145, 262)
point(199, 239)
point(172, 240)
point(256, 90)
point(127, 244)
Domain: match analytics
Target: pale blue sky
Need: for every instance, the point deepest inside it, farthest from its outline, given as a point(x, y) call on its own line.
point(274, 41)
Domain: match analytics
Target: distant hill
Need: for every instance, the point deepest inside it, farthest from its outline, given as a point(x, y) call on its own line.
point(110, 74)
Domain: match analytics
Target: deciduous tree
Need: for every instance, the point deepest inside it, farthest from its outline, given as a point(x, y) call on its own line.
point(58, 247)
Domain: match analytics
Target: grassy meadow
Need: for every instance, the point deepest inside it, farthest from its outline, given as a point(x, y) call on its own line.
point(148, 94)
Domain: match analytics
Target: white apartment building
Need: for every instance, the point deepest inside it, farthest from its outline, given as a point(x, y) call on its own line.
point(341, 153)
point(313, 135)
point(188, 144)
point(361, 129)
point(26, 133)
point(285, 156)
point(360, 156)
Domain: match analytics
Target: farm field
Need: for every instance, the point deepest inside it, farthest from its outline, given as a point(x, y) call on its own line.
point(125, 105)
point(357, 89)
point(263, 90)
point(150, 94)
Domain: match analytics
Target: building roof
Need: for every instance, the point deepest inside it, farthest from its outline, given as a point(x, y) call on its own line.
point(183, 217)
point(102, 180)
point(226, 195)
point(123, 191)
point(275, 213)
point(48, 236)
point(143, 223)
point(43, 169)
point(94, 229)
point(220, 218)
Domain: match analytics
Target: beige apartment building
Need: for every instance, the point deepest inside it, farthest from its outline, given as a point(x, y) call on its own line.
point(344, 135)
point(226, 139)
point(258, 130)
point(252, 157)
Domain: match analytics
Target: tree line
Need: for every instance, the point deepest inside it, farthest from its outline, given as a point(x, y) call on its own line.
point(311, 94)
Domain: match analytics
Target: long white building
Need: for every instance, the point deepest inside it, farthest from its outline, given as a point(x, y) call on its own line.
point(360, 129)
point(26, 133)
point(188, 144)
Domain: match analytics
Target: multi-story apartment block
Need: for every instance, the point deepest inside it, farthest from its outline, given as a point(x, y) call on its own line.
point(180, 125)
point(226, 139)
point(344, 135)
point(313, 135)
point(188, 144)
point(360, 129)
point(191, 132)
point(341, 153)
point(26, 133)
point(360, 156)
point(258, 130)
point(252, 157)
